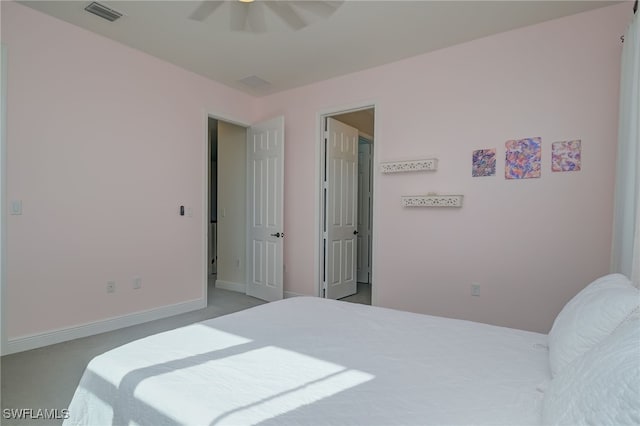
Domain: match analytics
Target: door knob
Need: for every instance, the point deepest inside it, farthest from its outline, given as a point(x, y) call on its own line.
point(277, 235)
point(355, 232)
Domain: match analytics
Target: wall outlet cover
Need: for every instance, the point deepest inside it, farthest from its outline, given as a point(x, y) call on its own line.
point(475, 289)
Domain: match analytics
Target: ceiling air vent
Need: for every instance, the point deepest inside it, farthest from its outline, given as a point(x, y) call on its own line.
point(255, 82)
point(103, 11)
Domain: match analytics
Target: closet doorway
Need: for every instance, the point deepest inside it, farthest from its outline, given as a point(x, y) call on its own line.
point(346, 234)
point(227, 205)
point(245, 229)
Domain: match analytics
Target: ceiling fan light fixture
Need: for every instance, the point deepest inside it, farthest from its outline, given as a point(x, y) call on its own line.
point(244, 17)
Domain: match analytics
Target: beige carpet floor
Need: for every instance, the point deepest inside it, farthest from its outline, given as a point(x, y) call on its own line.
point(47, 377)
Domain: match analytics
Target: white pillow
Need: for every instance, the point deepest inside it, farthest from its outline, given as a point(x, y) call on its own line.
point(601, 387)
point(589, 317)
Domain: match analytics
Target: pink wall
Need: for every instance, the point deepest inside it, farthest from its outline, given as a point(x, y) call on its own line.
point(531, 244)
point(104, 144)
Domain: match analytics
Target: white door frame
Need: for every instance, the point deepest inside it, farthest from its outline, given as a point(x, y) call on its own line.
point(367, 232)
point(206, 164)
point(319, 213)
point(3, 202)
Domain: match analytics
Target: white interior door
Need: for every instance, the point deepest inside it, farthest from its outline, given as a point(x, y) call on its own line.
point(364, 212)
point(341, 186)
point(265, 226)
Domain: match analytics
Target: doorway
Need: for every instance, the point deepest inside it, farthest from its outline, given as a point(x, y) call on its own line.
point(346, 205)
point(245, 192)
point(226, 246)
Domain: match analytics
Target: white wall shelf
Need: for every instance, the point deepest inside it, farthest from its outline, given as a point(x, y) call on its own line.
point(427, 164)
point(432, 200)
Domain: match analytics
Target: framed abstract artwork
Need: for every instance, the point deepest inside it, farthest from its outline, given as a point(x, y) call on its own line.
point(566, 156)
point(522, 158)
point(483, 162)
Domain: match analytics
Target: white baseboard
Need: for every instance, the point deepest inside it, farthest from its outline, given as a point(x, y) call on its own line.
point(233, 286)
point(34, 341)
point(290, 294)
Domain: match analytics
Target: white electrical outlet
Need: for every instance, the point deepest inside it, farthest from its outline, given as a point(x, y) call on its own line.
point(16, 207)
point(111, 286)
point(475, 289)
point(137, 283)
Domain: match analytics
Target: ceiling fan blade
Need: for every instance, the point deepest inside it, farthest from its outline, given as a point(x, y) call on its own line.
point(205, 9)
point(286, 12)
point(320, 8)
point(255, 18)
point(239, 13)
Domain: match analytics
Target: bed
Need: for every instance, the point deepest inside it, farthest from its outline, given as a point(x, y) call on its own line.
point(312, 361)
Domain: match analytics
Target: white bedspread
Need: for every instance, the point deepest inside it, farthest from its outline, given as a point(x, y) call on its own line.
point(311, 361)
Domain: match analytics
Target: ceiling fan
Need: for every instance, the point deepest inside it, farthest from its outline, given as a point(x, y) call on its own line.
point(249, 15)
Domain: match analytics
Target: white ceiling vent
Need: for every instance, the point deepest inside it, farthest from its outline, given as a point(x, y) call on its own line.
point(255, 82)
point(103, 11)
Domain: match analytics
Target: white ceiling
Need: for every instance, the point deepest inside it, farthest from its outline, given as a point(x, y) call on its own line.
point(358, 35)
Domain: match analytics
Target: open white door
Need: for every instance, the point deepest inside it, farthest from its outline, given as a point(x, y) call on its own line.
point(341, 186)
point(265, 226)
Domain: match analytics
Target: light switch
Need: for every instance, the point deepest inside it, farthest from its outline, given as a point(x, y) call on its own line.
point(16, 207)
